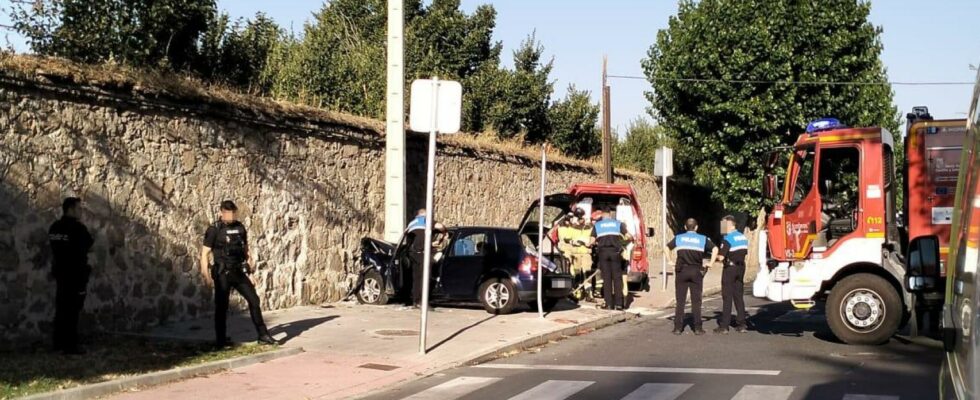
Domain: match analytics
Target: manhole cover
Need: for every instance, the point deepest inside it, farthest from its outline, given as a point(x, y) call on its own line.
point(396, 332)
point(380, 367)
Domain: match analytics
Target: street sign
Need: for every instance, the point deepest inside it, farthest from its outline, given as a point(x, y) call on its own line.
point(663, 162)
point(433, 96)
point(436, 108)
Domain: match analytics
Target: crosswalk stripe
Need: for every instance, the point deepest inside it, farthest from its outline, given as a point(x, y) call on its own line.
point(763, 392)
point(553, 390)
point(868, 397)
point(453, 389)
point(658, 391)
point(601, 368)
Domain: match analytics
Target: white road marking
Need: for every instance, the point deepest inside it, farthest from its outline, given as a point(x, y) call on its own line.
point(599, 368)
point(868, 397)
point(763, 392)
point(553, 390)
point(453, 389)
point(658, 391)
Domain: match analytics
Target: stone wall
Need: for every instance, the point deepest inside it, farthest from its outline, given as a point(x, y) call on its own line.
point(151, 173)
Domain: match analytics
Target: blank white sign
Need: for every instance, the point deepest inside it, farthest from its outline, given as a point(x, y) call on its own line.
point(446, 97)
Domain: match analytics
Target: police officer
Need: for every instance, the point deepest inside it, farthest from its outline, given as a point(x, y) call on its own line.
point(734, 247)
point(691, 250)
point(608, 236)
point(227, 241)
point(415, 240)
point(70, 244)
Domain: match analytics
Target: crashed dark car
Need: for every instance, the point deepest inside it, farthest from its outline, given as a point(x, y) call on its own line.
point(491, 266)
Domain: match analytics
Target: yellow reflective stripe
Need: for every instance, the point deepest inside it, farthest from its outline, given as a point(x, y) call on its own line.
point(876, 235)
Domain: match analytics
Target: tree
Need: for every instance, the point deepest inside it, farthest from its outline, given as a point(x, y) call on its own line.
point(636, 151)
point(238, 55)
point(573, 122)
point(524, 106)
point(132, 32)
point(722, 129)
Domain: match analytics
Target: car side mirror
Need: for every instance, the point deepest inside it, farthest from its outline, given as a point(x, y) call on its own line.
point(650, 232)
point(924, 262)
point(769, 186)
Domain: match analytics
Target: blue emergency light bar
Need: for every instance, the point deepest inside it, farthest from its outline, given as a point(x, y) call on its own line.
point(824, 124)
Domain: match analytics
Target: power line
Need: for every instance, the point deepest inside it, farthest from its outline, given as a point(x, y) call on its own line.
point(830, 83)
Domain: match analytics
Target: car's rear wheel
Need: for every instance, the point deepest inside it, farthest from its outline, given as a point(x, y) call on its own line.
point(498, 296)
point(372, 289)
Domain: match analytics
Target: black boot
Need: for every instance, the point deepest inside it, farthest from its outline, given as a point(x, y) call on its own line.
point(265, 337)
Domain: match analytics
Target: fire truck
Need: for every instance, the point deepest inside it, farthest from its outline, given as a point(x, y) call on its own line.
point(838, 234)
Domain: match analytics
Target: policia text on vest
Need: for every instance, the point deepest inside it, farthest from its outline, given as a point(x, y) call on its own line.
point(227, 242)
point(692, 249)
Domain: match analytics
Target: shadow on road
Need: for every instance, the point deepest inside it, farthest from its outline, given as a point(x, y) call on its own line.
point(294, 329)
point(459, 332)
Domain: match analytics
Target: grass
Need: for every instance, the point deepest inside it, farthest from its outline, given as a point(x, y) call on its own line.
point(29, 372)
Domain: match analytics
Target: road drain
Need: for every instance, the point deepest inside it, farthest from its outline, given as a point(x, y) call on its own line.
point(379, 367)
point(396, 332)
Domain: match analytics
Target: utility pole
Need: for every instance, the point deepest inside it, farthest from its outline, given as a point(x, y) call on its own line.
point(395, 125)
point(607, 170)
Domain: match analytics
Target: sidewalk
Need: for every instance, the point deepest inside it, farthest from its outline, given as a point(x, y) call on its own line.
point(352, 350)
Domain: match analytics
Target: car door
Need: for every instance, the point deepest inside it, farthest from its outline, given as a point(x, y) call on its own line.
point(466, 258)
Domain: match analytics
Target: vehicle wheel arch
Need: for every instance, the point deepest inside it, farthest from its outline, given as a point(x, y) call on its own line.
point(893, 277)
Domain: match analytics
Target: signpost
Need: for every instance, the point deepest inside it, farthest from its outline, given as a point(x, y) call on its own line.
point(544, 169)
point(663, 167)
point(435, 108)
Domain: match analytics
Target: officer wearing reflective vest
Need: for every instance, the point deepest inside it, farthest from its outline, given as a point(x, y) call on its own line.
point(415, 240)
point(691, 248)
point(70, 244)
point(226, 241)
point(734, 247)
point(608, 237)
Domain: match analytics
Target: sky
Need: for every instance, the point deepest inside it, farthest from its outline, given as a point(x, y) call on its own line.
point(923, 42)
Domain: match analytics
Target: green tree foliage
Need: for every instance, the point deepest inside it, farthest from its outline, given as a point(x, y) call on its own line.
point(524, 107)
point(573, 121)
point(133, 32)
point(238, 55)
point(637, 149)
point(722, 130)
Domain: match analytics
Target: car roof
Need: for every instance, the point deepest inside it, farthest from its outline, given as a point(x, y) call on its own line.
point(481, 228)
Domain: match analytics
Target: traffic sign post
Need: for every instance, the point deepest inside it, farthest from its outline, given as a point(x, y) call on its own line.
point(663, 167)
point(436, 107)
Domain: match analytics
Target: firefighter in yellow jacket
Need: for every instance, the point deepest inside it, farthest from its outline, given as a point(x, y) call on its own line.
point(574, 243)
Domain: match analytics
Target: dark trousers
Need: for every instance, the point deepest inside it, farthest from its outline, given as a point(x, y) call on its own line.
point(732, 290)
point(688, 277)
point(224, 281)
point(417, 272)
point(611, 267)
point(69, 300)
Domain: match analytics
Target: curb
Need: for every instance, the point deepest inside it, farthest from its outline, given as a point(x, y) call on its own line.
point(544, 338)
point(160, 377)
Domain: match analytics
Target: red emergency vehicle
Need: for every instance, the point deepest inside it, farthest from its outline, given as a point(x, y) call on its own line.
point(836, 234)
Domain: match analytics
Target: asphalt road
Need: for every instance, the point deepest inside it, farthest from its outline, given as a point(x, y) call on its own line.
point(787, 354)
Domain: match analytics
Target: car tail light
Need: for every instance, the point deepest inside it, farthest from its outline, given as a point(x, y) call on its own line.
point(529, 266)
point(637, 254)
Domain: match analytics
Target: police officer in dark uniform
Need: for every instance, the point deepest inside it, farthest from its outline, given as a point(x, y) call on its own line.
point(70, 244)
point(734, 247)
point(415, 240)
point(608, 237)
point(227, 241)
point(688, 271)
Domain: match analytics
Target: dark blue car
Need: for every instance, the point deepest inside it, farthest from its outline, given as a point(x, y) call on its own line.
point(492, 266)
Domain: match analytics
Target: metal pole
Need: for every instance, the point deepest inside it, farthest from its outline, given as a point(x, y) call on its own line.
point(395, 126)
point(541, 238)
point(663, 213)
point(430, 215)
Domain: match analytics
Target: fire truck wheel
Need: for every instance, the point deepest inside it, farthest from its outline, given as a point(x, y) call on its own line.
point(864, 309)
